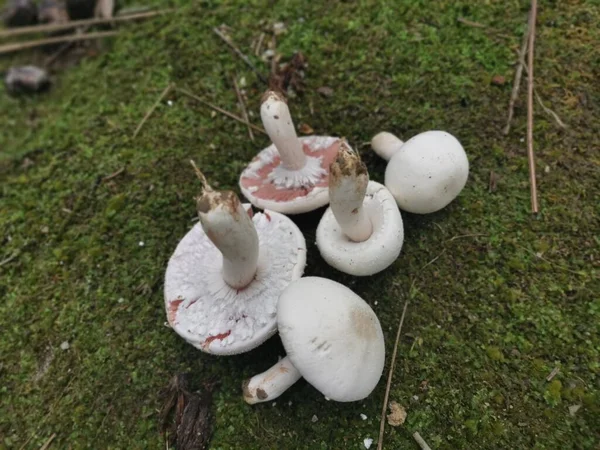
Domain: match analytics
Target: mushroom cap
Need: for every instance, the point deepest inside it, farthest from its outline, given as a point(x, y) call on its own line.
point(269, 185)
point(428, 172)
point(332, 336)
point(216, 318)
point(374, 254)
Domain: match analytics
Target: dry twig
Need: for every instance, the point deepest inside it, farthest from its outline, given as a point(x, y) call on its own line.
point(549, 111)
point(18, 46)
point(48, 28)
point(389, 380)
point(221, 110)
point(152, 108)
point(48, 442)
point(518, 74)
point(421, 441)
point(552, 374)
point(239, 53)
point(530, 154)
point(243, 108)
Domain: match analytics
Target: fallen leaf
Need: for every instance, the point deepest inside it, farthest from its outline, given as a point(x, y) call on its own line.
point(573, 409)
point(397, 414)
point(325, 91)
point(305, 128)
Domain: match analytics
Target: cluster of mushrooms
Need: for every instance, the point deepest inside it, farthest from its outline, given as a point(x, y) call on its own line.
point(236, 279)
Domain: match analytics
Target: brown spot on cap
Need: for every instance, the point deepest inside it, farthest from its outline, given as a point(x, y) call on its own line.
point(363, 323)
point(261, 394)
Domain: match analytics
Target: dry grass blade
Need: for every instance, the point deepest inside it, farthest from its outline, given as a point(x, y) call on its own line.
point(549, 111)
point(48, 442)
point(221, 110)
point(389, 380)
point(49, 28)
point(243, 108)
point(11, 48)
point(239, 53)
point(161, 97)
point(530, 152)
point(518, 74)
point(421, 441)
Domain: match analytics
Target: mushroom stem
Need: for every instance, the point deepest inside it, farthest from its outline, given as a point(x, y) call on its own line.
point(386, 145)
point(230, 228)
point(348, 180)
point(278, 124)
point(272, 383)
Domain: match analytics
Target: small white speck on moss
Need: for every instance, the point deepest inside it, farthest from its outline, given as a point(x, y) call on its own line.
point(368, 442)
point(121, 300)
point(314, 418)
point(274, 404)
point(170, 102)
point(65, 345)
point(141, 243)
point(363, 416)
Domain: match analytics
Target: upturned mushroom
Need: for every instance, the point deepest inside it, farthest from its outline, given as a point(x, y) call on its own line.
point(361, 233)
point(290, 176)
point(332, 338)
point(225, 277)
point(425, 173)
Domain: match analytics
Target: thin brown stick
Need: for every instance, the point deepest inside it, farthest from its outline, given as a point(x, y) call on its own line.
point(239, 53)
point(11, 48)
point(152, 108)
point(9, 259)
point(552, 374)
point(389, 380)
point(221, 110)
point(114, 175)
point(471, 23)
point(48, 442)
point(421, 441)
point(530, 154)
point(518, 74)
point(48, 28)
point(259, 44)
point(549, 111)
point(243, 108)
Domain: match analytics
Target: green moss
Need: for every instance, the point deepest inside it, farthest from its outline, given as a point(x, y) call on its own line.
point(507, 298)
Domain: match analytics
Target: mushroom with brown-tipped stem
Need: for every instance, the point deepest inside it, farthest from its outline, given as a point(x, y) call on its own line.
point(425, 173)
point(332, 338)
point(361, 233)
point(290, 176)
point(225, 277)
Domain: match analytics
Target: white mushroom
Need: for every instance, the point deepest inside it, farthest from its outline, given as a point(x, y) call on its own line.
point(225, 277)
point(361, 233)
point(332, 338)
point(290, 176)
point(425, 173)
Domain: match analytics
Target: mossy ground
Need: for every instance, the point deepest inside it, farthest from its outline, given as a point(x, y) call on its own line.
point(500, 297)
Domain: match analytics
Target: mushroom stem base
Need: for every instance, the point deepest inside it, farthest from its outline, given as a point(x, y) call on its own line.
point(271, 384)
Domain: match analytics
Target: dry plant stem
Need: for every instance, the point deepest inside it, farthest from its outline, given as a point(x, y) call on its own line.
point(388, 386)
point(243, 108)
point(238, 52)
point(221, 110)
point(552, 374)
point(48, 442)
point(530, 154)
point(77, 23)
point(421, 441)
point(518, 74)
point(470, 23)
point(549, 111)
point(163, 94)
point(11, 48)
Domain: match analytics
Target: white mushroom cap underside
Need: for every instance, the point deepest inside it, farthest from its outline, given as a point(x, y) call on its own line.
point(376, 253)
point(332, 337)
point(318, 195)
point(210, 314)
point(428, 172)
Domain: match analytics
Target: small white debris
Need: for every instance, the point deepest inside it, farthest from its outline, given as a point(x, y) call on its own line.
point(314, 418)
point(141, 243)
point(45, 229)
point(368, 442)
point(415, 398)
point(327, 398)
point(573, 409)
point(65, 345)
point(274, 404)
point(363, 417)
point(397, 414)
point(290, 403)
point(547, 169)
point(522, 139)
point(376, 302)
point(170, 102)
point(121, 300)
